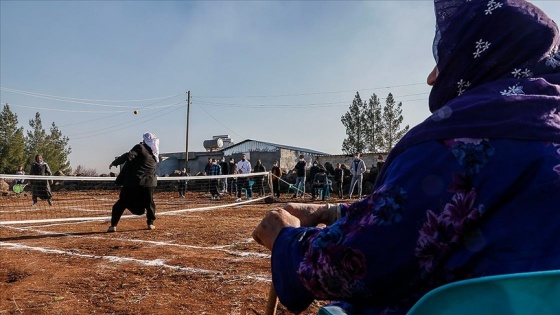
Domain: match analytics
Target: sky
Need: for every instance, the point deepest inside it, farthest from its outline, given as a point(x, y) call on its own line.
point(283, 72)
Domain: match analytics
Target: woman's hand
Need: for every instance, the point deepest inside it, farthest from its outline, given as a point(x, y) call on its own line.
point(309, 214)
point(269, 228)
point(313, 214)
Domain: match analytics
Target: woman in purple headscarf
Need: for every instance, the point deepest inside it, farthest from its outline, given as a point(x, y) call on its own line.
point(472, 191)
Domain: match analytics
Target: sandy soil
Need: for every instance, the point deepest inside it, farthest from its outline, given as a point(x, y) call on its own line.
point(194, 263)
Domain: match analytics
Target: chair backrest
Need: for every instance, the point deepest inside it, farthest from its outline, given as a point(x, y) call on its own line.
point(331, 310)
point(513, 294)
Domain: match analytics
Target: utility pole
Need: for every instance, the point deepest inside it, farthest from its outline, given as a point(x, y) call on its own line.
point(187, 133)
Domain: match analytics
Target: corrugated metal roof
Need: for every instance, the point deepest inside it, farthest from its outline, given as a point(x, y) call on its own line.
point(262, 146)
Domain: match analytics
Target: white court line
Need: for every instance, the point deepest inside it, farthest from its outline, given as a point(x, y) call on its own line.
point(84, 222)
point(75, 208)
point(158, 243)
point(172, 212)
point(152, 263)
point(16, 211)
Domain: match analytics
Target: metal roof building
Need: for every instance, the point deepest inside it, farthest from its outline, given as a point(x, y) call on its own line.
point(255, 150)
point(249, 145)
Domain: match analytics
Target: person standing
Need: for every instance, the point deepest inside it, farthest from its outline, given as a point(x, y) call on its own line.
point(183, 183)
point(357, 169)
point(300, 179)
point(313, 170)
point(139, 180)
point(21, 172)
point(225, 170)
point(244, 167)
point(380, 162)
point(339, 179)
point(207, 167)
point(276, 175)
point(215, 170)
point(259, 180)
point(41, 188)
point(207, 172)
point(232, 169)
point(233, 182)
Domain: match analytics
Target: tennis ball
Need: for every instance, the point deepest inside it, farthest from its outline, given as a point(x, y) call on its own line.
point(135, 112)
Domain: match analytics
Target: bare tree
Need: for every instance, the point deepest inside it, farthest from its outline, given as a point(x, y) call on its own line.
point(83, 171)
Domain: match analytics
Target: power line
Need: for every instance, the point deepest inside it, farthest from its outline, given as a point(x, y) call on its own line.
point(28, 93)
point(213, 104)
point(221, 122)
point(313, 93)
point(69, 110)
point(121, 127)
point(141, 107)
point(91, 111)
point(200, 103)
point(326, 104)
point(89, 101)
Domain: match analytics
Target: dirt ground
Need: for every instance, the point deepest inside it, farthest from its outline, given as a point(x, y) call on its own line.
point(194, 263)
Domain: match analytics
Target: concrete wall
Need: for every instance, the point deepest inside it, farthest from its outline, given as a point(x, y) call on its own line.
point(170, 162)
point(369, 158)
point(267, 158)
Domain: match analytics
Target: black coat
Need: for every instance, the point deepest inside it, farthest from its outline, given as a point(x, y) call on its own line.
point(300, 168)
point(41, 188)
point(140, 168)
point(225, 168)
point(259, 168)
point(338, 175)
point(313, 170)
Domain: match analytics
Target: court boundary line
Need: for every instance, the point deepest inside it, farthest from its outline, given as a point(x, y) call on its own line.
point(106, 218)
point(220, 248)
point(116, 259)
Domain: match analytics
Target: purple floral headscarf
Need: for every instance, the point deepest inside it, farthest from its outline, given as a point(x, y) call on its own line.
point(479, 42)
point(499, 74)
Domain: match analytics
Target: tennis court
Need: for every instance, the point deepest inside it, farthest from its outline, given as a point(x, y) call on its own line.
point(199, 262)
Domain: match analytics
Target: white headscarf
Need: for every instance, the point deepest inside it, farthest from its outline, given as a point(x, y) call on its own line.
point(152, 141)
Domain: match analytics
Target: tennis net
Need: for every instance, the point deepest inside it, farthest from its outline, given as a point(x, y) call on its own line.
point(76, 198)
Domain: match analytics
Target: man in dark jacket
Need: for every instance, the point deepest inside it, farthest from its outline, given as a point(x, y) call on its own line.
point(215, 170)
point(313, 170)
point(259, 180)
point(225, 170)
point(139, 180)
point(339, 179)
point(300, 179)
point(232, 168)
point(276, 175)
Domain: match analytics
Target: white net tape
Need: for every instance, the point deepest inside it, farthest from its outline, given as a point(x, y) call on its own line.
point(91, 198)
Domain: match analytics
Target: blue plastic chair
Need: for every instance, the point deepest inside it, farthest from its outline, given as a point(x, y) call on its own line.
point(331, 310)
point(244, 190)
point(327, 191)
point(292, 189)
point(530, 293)
point(513, 294)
